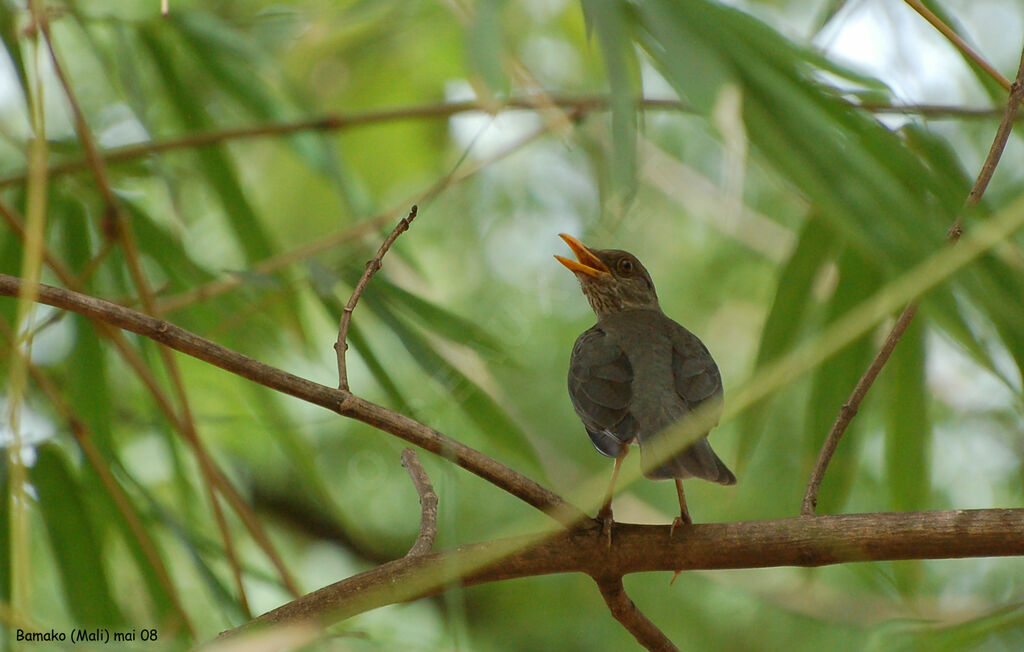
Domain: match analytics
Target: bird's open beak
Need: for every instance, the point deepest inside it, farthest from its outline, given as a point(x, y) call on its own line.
point(588, 264)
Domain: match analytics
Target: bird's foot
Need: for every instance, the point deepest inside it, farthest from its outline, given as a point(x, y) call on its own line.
point(674, 578)
point(676, 522)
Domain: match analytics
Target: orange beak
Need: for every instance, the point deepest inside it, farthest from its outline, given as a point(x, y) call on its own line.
point(588, 264)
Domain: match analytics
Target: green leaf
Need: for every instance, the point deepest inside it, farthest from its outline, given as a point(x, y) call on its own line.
point(165, 249)
point(907, 437)
point(218, 167)
point(5, 542)
point(440, 320)
point(485, 45)
point(611, 21)
point(788, 314)
point(859, 174)
point(166, 607)
point(11, 43)
point(1000, 629)
point(323, 281)
point(832, 383)
point(73, 542)
point(390, 387)
point(229, 57)
point(479, 406)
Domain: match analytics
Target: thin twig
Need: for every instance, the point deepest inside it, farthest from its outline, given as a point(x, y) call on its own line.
point(958, 42)
point(428, 503)
point(578, 104)
point(626, 612)
point(372, 266)
point(849, 409)
point(581, 104)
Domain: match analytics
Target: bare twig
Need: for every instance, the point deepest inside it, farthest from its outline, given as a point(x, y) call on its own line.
point(798, 541)
point(626, 612)
point(581, 104)
point(372, 265)
point(849, 409)
point(336, 400)
point(428, 503)
point(958, 42)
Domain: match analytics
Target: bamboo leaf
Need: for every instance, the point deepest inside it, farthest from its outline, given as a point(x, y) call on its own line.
point(479, 406)
point(611, 22)
point(787, 316)
point(832, 383)
point(73, 542)
point(219, 169)
point(441, 321)
point(485, 45)
point(907, 437)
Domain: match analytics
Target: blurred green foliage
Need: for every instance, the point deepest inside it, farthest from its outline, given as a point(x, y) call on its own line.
point(469, 325)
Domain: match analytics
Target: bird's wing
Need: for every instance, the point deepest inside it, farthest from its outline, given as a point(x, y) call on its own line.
point(696, 375)
point(600, 386)
point(698, 386)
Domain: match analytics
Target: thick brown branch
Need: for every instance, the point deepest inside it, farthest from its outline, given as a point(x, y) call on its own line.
point(849, 409)
point(372, 266)
point(800, 541)
point(428, 503)
point(625, 611)
point(336, 400)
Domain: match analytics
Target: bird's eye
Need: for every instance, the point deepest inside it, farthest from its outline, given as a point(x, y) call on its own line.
point(625, 265)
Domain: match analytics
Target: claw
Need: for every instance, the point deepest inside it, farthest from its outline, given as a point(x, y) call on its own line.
point(676, 522)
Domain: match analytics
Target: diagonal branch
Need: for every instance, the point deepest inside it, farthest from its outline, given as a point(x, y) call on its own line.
point(849, 409)
point(339, 401)
point(958, 42)
point(626, 612)
point(428, 503)
point(372, 266)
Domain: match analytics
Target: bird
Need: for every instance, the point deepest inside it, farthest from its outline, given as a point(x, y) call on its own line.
point(638, 377)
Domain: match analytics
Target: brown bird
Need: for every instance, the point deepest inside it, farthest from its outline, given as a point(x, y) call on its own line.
point(638, 377)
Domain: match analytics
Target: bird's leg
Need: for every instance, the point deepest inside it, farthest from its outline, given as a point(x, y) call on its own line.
point(684, 514)
point(605, 513)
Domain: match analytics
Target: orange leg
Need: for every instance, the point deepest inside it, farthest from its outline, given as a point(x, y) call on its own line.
point(605, 513)
point(684, 514)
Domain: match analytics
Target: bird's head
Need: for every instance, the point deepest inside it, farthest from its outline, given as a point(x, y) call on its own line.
point(612, 280)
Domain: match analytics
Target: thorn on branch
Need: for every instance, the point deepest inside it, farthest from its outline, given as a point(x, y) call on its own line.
point(428, 503)
point(372, 266)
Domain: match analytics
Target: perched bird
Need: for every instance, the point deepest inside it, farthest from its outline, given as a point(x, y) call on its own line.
point(637, 377)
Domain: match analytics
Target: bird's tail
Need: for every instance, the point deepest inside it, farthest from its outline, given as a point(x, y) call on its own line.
point(658, 461)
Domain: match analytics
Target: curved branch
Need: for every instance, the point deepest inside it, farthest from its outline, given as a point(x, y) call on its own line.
point(428, 503)
point(372, 267)
point(625, 611)
point(799, 541)
point(336, 400)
